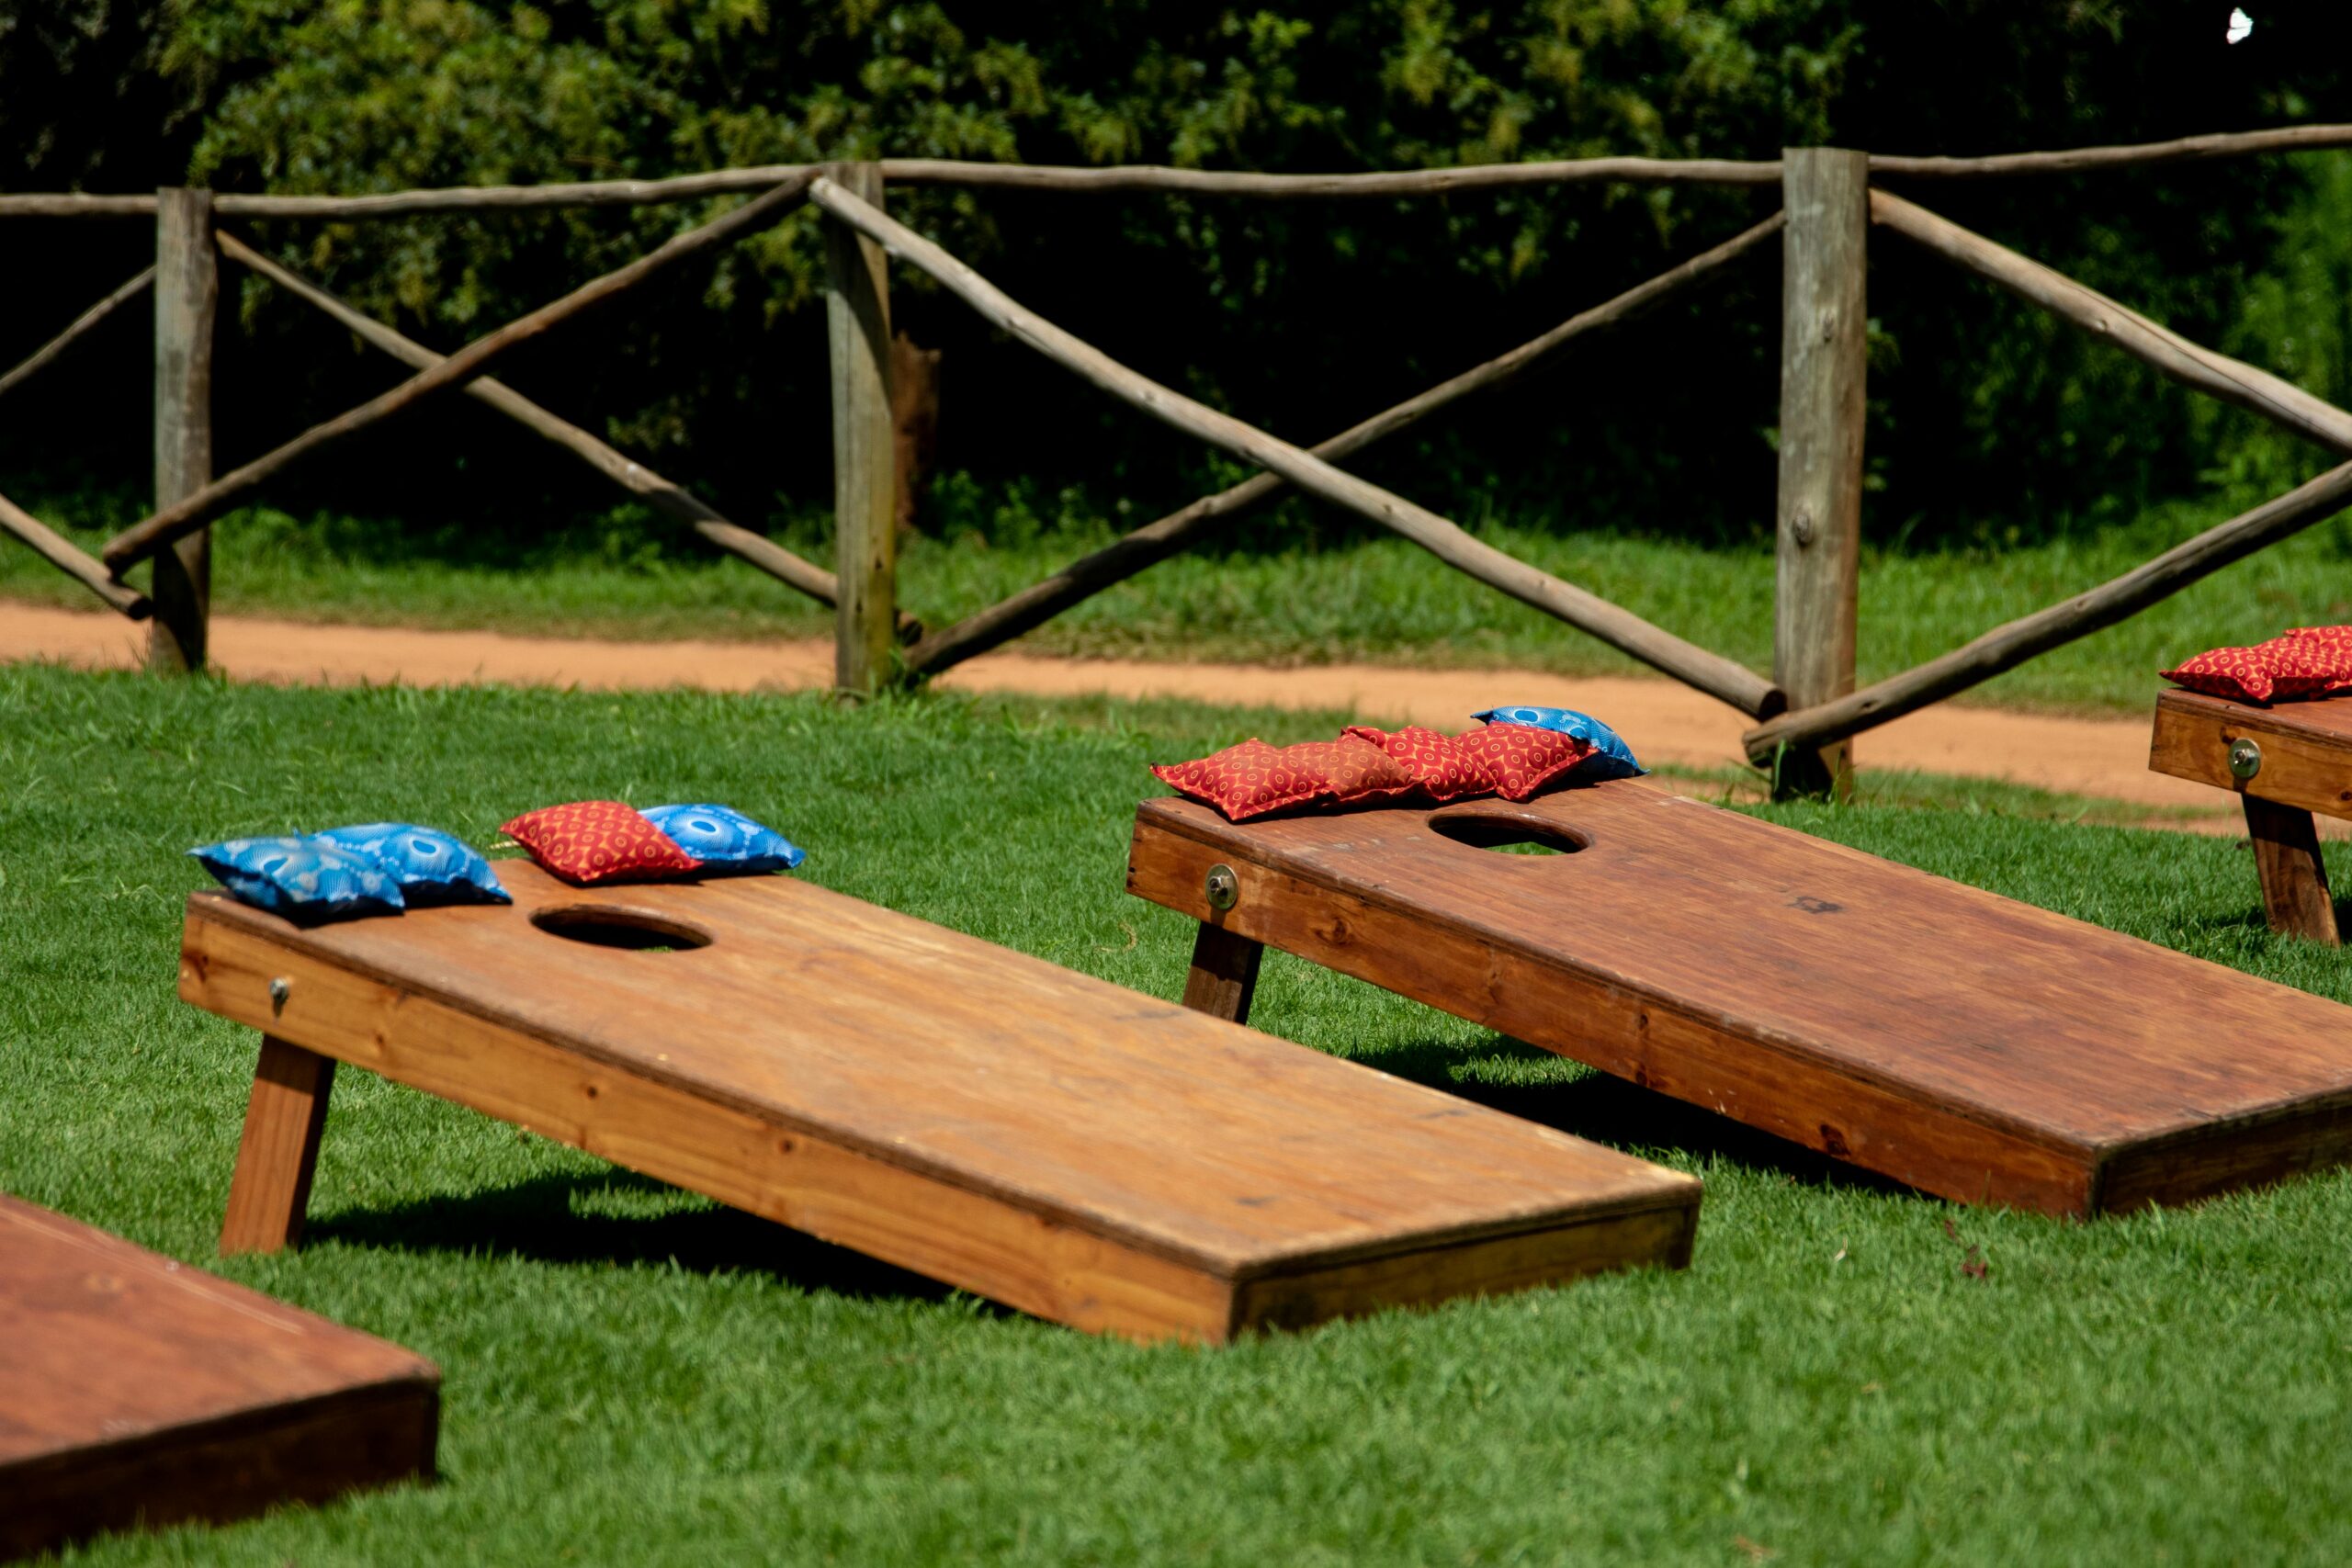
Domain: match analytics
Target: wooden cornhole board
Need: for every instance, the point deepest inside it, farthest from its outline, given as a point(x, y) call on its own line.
point(2285, 763)
point(1978, 1048)
point(137, 1390)
point(1057, 1143)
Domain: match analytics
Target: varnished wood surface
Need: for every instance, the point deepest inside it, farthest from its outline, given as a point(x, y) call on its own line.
point(1979, 1048)
point(1224, 976)
point(278, 1151)
point(135, 1388)
point(2306, 748)
point(984, 1117)
point(2287, 863)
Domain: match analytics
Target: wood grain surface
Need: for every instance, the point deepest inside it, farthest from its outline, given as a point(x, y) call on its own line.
point(2288, 865)
point(1972, 1046)
point(2306, 767)
point(278, 1151)
point(1053, 1141)
point(1818, 551)
point(187, 295)
point(134, 1389)
point(2306, 748)
point(866, 504)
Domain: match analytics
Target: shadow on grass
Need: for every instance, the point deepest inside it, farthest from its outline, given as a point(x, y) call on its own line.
point(554, 1219)
point(1610, 1110)
point(620, 1218)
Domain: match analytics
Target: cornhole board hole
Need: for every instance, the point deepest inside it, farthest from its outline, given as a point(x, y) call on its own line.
point(1051, 1141)
point(2285, 763)
point(137, 1390)
point(1971, 1046)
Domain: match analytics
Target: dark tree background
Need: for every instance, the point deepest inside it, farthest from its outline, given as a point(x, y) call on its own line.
point(1989, 422)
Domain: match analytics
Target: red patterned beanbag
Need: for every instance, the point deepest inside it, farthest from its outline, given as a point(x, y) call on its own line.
point(1253, 778)
point(1522, 760)
point(1443, 767)
point(598, 840)
point(2309, 661)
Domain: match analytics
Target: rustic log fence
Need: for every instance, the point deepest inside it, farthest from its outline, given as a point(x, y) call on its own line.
point(1806, 714)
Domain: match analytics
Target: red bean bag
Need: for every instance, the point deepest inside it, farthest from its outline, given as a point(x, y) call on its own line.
point(1253, 778)
point(2309, 661)
point(591, 841)
point(1443, 767)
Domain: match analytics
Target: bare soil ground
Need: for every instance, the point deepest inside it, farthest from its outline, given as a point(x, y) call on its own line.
point(1666, 724)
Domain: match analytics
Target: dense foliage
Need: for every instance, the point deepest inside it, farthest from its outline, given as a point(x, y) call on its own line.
point(1300, 316)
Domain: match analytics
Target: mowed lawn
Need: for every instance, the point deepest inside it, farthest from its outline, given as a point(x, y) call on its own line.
point(1288, 599)
point(634, 1376)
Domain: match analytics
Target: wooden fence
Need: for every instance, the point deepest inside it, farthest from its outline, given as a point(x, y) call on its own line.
point(1805, 714)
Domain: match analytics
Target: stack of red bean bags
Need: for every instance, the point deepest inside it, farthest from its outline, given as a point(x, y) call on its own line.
point(2309, 661)
point(1371, 766)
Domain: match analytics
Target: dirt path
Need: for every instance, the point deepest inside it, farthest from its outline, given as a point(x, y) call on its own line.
point(1664, 723)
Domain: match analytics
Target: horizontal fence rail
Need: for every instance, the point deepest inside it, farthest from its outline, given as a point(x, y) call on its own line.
point(1202, 182)
point(2127, 155)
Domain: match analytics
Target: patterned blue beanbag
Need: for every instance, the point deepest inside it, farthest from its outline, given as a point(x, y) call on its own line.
point(430, 866)
point(725, 840)
point(1611, 759)
point(303, 879)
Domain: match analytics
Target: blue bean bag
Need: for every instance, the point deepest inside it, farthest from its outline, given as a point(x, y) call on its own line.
point(1611, 759)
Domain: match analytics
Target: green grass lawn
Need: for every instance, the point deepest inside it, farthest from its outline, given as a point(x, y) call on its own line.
point(1295, 602)
point(634, 1376)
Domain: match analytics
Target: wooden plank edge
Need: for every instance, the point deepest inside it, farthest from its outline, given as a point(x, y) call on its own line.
point(230, 1468)
point(1659, 1237)
point(2243, 1152)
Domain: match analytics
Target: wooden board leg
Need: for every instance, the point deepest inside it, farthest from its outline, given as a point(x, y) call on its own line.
point(271, 1188)
point(2294, 879)
point(1224, 974)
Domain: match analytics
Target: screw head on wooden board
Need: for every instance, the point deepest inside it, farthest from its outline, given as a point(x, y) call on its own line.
point(2245, 759)
point(280, 989)
point(1222, 888)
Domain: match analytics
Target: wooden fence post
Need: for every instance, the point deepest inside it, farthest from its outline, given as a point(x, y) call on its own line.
point(865, 522)
point(186, 287)
point(1823, 321)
